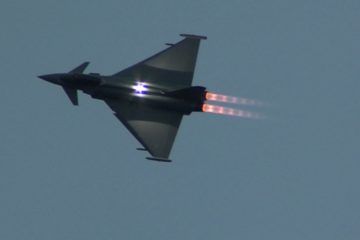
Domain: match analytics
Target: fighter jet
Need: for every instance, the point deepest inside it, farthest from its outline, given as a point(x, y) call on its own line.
point(150, 98)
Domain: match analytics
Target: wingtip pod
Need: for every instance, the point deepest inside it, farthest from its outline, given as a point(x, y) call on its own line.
point(193, 36)
point(141, 149)
point(158, 159)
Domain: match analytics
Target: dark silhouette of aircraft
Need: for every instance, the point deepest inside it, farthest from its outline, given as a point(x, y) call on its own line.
point(149, 98)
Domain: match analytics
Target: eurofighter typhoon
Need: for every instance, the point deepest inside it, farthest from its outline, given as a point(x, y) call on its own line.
point(151, 97)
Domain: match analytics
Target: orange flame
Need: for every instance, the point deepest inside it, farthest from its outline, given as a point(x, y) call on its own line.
point(230, 111)
point(230, 99)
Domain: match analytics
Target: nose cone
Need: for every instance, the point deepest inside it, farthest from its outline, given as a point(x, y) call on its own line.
point(53, 78)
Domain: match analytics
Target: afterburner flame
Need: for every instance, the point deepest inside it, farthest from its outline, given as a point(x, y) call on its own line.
point(230, 111)
point(230, 99)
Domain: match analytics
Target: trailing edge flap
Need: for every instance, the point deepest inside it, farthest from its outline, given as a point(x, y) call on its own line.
point(155, 129)
point(72, 94)
point(172, 68)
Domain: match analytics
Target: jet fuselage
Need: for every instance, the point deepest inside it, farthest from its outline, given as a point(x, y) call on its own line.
point(185, 100)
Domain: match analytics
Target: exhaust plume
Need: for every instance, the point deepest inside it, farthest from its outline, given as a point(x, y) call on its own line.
point(230, 111)
point(230, 99)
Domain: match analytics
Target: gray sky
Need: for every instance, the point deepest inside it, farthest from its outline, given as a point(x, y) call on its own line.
point(73, 172)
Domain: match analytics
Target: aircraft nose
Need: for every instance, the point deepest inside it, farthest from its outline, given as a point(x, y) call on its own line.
point(53, 78)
